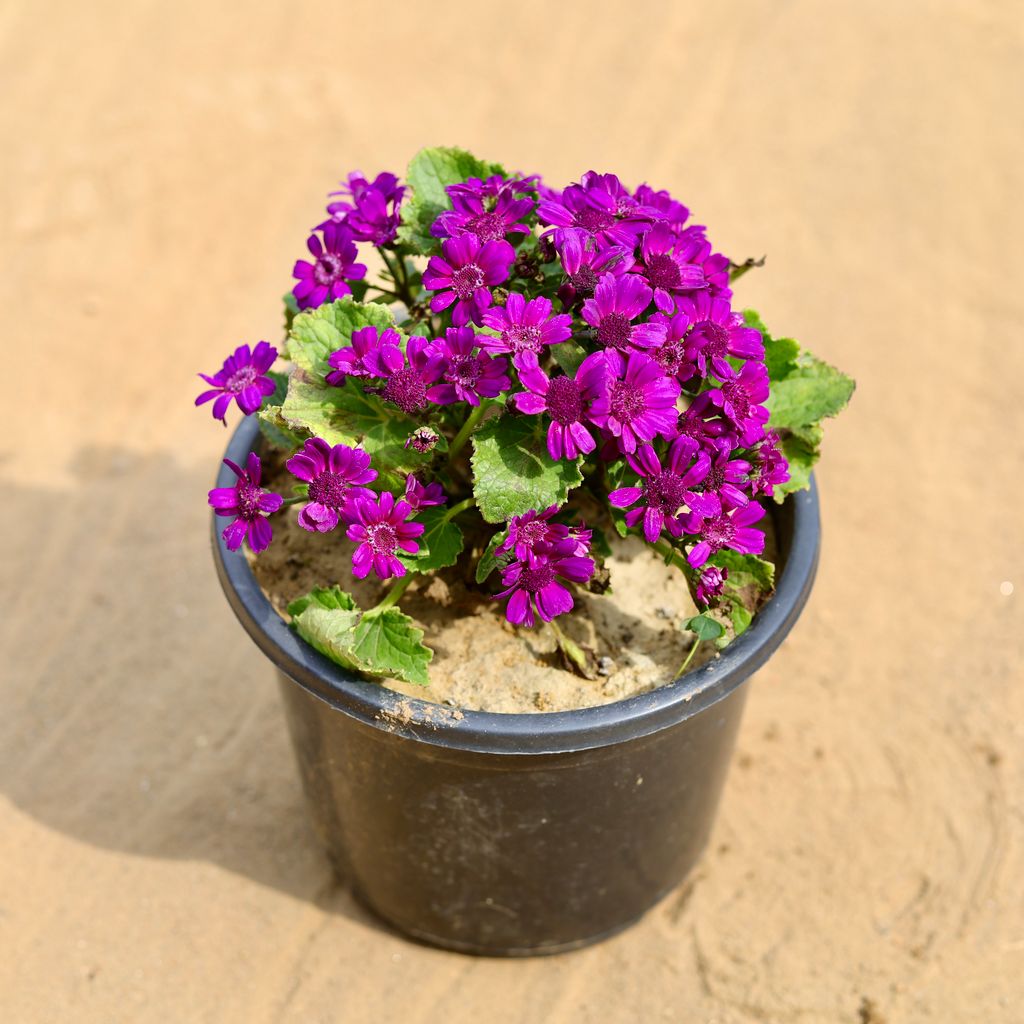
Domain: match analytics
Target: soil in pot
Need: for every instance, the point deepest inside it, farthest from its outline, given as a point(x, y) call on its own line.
point(481, 661)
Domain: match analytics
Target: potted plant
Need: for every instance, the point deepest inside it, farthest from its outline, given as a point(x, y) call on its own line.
point(542, 394)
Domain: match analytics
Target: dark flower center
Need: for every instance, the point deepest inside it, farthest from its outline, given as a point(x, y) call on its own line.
point(466, 280)
point(406, 389)
point(248, 499)
point(488, 227)
point(565, 402)
point(718, 531)
point(670, 355)
point(241, 379)
point(382, 538)
point(329, 268)
point(523, 338)
point(735, 393)
point(663, 271)
point(532, 533)
point(615, 330)
point(328, 489)
point(593, 219)
point(584, 280)
point(538, 577)
point(664, 492)
point(627, 401)
point(465, 369)
point(716, 338)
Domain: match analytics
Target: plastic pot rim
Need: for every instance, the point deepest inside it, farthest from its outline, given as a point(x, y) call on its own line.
point(555, 732)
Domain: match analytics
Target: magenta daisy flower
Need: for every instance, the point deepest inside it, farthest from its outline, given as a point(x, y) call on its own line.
point(711, 583)
point(769, 467)
point(370, 210)
point(465, 273)
point(335, 476)
point(569, 401)
point(617, 302)
point(661, 207)
point(600, 205)
point(664, 489)
point(333, 267)
point(716, 333)
point(420, 495)
point(533, 533)
point(243, 379)
point(703, 422)
point(639, 402)
point(490, 210)
point(727, 477)
point(536, 584)
point(724, 528)
point(378, 525)
point(695, 249)
point(524, 326)
point(407, 376)
point(468, 374)
point(663, 263)
point(352, 360)
point(249, 503)
point(584, 262)
point(740, 399)
point(671, 353)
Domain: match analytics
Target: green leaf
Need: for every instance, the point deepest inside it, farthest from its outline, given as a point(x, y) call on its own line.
point(801, 458)
point(513, 472)
point(316, 333)
point(381, 642)
point(440, 543)
point(276, 430)
point(430, 172)
point(808, 394)
point(489, 560)
point(779, 353)
point(346, 415)
point(388, 644)
point(705, 627)
point(745, 570)
point(291, 310)
point(569, 355)
point(741, 617)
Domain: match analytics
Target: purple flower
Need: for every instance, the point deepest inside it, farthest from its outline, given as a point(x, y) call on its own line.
point(664, 265)
point(249, 504)
point(335, 477)
point(535, 583)
point(242, 378)
point(464, 274)
point(769, 466)
point(671, 353)
point(378, 525)
point(600, 205)
point(664, 490)
point(533, 533)
point(407, 376)
point(740, 400)
point(371, 210)
point(661, 207)
point(702, 422)
point(569, 401)
point(726, 476)
point(716, 333)
point(334, 263)
point(617, 302)
point(711, 583)
point(640, 401)
point(423, 440)
point(695, 249)
point(488, 209)
point(469, 374)
point(420, 496)
point(525, 326)
point(724, 528)
point(583, 261)
point(352, 361)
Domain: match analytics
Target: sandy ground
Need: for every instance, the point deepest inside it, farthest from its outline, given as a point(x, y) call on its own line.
point(160, 162)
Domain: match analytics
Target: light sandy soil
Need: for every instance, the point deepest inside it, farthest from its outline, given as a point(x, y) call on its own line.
point(160, 163)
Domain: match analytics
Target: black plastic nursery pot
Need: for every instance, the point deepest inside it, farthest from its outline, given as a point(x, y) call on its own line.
point(515, 834)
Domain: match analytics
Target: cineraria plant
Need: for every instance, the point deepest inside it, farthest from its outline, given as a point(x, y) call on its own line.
point(533, 370)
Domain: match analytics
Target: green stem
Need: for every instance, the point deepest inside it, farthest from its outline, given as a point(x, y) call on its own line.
point(456, 509)
point(465, 430)
point(390, 599)
point(667, 551)
point(689, 657)
point(398, 275)
point(294, 501)
point(572, 650)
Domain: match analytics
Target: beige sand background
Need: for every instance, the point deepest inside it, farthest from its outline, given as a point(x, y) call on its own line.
point(160, 163)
